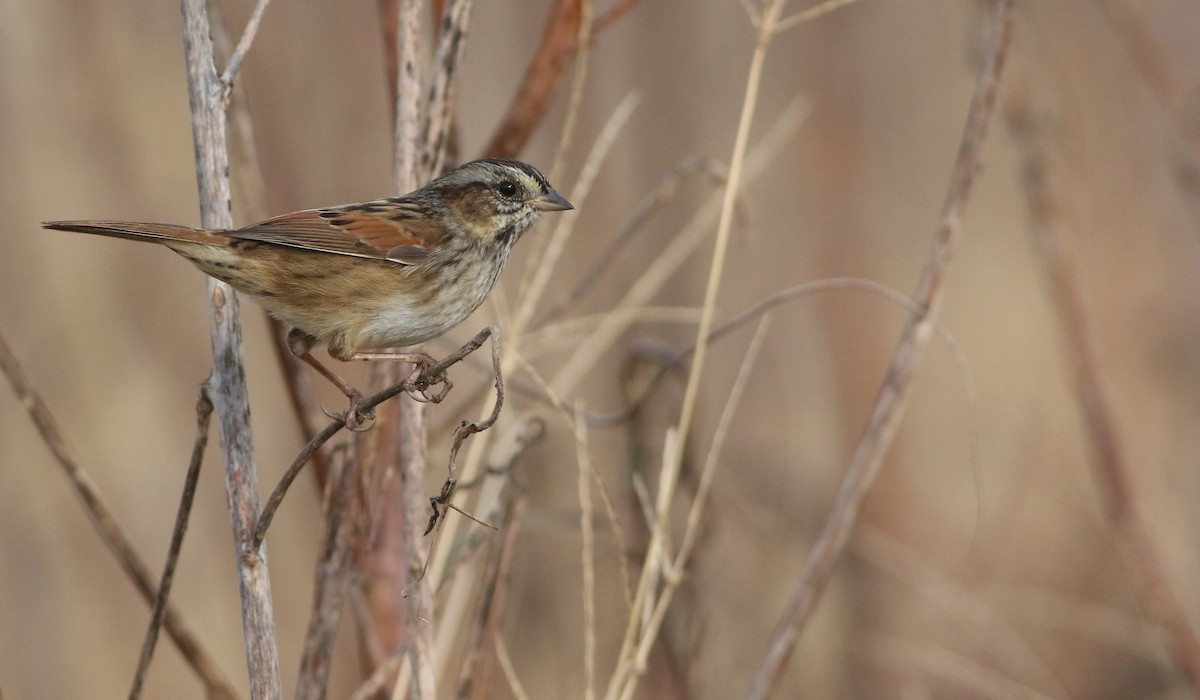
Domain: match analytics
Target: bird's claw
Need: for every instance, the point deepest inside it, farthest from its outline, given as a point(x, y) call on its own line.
point(357, 420)
point(417, 385)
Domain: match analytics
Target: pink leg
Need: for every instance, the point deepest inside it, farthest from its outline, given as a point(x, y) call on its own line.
point(417, 358)
point(353, 418)
point(420, 361)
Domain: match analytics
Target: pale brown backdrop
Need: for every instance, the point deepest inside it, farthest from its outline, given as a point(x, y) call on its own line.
point(985, 563)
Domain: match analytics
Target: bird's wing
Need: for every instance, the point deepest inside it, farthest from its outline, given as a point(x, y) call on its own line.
point(385, 229)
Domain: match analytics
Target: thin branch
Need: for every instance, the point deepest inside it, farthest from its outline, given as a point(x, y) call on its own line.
point(584, 458)
point(204, 409)
point(110, 531)
point(667, 188)
point(560, 39)
point(624, 679)
point(430, 376)
point(227, 384)
point(493, 601)
point(737, 160)
point(443, 86)
point(678, 565)
point(809, 14)
point(329, 588)
point(769, 302)
point(671, 258)
point(570, 414)
point(578, 82)
point(885, 418)
point(465, 430)
point(529, 105)
point(407, 93)
point(243, 45)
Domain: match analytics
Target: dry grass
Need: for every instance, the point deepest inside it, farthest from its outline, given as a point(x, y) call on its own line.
point(1035, 540)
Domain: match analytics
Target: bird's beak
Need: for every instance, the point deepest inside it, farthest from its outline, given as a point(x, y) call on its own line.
point(550, 201)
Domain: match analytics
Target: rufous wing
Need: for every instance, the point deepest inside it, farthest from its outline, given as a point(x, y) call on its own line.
point(389, 229)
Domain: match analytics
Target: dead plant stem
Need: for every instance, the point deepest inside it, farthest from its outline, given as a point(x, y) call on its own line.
point(243, 45)
point(691, 535)
point(889, 407)
point(672, 257)
point(586, 527)
point(110, 531)
point(625, 677)
point(204, 409)
point(227, 384)
point(578, 82)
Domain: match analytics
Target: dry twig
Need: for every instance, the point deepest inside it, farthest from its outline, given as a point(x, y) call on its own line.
point(430, 376)
point(329, 588)
point(885, 417)
point(584, 458)
point(651, 203)
point(560, 39)
point(227, 384)
point(204, 409)
point(493, 602)
point(443, 87)
point(243, 45)
point(110, 531)
point(542, 76)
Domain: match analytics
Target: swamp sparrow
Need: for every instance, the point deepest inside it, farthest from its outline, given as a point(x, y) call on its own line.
point(389, 272)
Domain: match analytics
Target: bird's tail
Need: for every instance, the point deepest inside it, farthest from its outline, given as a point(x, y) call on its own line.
point(139, 232)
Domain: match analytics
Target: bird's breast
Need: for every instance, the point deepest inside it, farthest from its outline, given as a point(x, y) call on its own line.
point(439, 300)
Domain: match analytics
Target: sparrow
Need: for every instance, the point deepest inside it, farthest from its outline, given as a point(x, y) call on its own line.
point(359, 278)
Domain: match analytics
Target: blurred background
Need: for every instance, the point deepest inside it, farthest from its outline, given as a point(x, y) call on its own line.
point(985, 563)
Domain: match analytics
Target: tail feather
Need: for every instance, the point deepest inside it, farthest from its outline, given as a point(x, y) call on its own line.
point(138, 231)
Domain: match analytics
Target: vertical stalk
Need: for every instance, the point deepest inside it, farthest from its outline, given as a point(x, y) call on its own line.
point(227, 384)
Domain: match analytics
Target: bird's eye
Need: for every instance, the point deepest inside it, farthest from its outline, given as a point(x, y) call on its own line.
point(507, 189)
